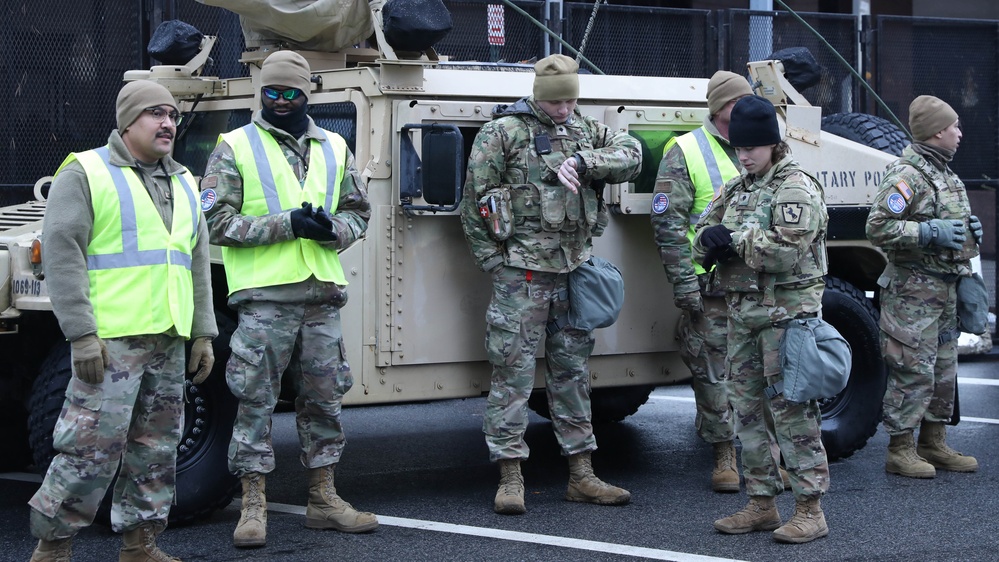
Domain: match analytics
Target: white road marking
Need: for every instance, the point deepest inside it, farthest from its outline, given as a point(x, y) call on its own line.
point(564, 542)
point(976, 381)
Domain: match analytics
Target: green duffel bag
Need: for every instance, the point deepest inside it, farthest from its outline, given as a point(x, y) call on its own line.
point(815, 361)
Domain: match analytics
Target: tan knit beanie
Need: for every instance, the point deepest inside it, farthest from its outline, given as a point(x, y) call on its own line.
point(556, 79)
point(928, 116)
point(135, 97)
point(725, 86)
point(286, 68)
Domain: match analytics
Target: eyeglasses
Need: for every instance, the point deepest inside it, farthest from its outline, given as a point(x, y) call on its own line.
point(161, 114)
point(289, 95)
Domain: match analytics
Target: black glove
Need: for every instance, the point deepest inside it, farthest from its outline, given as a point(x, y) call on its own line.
point(715, 256)
point(717, 236)
point(325, 220)
point(305, 226)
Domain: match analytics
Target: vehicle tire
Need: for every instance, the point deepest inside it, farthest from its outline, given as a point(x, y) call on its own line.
point(868, 130)
point(851, 417)
point(204, 483)
point(48, 393)
point(607, 404)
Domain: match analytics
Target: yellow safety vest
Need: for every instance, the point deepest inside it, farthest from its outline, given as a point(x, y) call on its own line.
point(709, 168)
point(270, 187)
point(140, 273)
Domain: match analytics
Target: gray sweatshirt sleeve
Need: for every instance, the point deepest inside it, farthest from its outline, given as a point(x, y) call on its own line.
point(201, 273)
point(66, 231)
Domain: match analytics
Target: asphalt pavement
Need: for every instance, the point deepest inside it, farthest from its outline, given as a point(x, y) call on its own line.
point(423, 469)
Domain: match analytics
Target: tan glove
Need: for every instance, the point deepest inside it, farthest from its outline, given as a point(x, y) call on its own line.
point(90, 359)
point(202, 359)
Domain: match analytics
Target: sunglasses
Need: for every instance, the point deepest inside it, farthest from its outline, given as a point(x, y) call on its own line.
point(290, 95)
point(161, 114)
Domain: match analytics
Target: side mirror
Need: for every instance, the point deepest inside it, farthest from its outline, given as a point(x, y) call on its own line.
point(437, 176)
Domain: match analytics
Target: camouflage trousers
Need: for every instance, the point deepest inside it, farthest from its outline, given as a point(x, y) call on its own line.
point(135, 416)
point(305, 342)
point(917, 312)
point(523, 303)
point(703, 338)
point(754, 363)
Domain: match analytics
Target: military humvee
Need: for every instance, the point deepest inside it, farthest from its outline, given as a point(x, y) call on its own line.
point(414, 324)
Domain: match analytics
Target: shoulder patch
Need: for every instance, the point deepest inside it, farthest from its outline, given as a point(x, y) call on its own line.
point(707, 209)
point(791, 212)
point(904, 189)
point(208, 198)
point(896, 203)
point(660, 202)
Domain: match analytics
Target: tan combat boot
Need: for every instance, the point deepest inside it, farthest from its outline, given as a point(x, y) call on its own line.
point(584, 486)
point(251, 531)
point(933, 447)
point(903, 460)
point(139, 545)
point(326, 510)
point(725, 476)
point(58, 550)
point(510, 495)
point(760, 514)
point(807, 524)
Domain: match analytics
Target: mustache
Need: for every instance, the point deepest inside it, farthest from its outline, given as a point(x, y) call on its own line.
point(164, 134)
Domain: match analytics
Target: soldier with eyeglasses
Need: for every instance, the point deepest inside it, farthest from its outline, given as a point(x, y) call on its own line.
point(283, 199)
point(126, 262)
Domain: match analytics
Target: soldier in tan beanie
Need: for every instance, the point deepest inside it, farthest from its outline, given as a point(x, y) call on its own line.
point(693, 169)
point(529, 240)
point(283, 197)
point(127, 343)
point(921, 218)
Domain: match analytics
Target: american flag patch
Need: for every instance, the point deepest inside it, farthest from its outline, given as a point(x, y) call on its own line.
point(904, 189)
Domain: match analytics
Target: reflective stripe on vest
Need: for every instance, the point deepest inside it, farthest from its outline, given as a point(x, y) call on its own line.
point(140, 273)
point(271, 187)
point(709, 168)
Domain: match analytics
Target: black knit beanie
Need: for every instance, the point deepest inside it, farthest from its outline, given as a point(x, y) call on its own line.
point(753, 123)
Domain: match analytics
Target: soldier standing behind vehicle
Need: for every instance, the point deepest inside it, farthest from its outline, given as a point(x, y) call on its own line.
point(283, 198)
point(919, 218)
point(767, 234)
point(694, 168)
point(530, 213)
point(127, 313)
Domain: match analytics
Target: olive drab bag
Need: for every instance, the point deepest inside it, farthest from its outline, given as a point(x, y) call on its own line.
point(596, 297)
point(972, 304)
point(815, 361)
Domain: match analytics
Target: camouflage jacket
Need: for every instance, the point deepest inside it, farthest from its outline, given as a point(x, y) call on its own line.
point(779, 226)
point(544, 226)
point(673, 224)
point(914, 191)
point(228, 227)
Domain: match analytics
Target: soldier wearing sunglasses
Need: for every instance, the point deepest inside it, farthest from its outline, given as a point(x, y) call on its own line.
point(283, 198)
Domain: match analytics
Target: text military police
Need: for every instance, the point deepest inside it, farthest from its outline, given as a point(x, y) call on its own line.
point(693, 169)
point(767, 233)
point(282, 198)
point(126, 262)
point(529, 213)
point(919, 218)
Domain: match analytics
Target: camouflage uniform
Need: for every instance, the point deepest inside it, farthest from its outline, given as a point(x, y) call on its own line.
point(779, 225)
point(549, 234)
point(293, 327)
point(136, 413)
point(703, 333)
point(918, 288)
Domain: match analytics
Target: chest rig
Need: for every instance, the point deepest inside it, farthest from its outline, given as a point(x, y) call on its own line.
point(560, 210)
point(755, 208)
point(948, 201)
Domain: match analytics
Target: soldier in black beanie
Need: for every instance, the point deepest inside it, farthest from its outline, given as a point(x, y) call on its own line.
point(767, 234)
